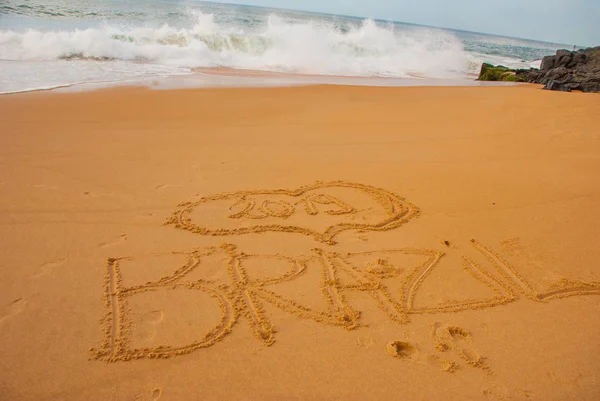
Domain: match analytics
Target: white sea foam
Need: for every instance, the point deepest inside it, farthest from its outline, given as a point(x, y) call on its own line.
point(27, 75)
point(312, 47)
point(119, 42)
point(476, 59)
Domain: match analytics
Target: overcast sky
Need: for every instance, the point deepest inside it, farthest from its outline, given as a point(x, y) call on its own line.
point(559, 21)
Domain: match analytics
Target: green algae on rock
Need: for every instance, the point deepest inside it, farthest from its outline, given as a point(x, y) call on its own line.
point(490, 72)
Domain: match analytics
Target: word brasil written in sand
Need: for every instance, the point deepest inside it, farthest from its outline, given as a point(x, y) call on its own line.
point(211, 288)
point(339, 205)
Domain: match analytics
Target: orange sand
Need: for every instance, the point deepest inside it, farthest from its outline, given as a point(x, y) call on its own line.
point(300, 243)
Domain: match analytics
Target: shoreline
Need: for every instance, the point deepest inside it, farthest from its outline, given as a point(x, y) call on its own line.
point(316, 242)
point(224, 77)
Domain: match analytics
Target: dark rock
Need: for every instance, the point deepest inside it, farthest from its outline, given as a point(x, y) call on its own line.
point(563, 60)
point(547, 63)
point(553, 85)
point(590, 85)
point(566, 71)
point(556, 74)
point(530, 75)
point(578, 58)
point(563, 52)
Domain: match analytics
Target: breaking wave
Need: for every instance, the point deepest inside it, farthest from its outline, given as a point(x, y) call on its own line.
point(283, 45)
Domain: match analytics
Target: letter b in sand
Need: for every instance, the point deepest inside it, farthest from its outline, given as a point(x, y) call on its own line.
point(175, 312)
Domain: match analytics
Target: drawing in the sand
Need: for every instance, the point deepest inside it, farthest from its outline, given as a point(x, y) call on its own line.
point(231, 284)
point(333, 207)
point(214, 287)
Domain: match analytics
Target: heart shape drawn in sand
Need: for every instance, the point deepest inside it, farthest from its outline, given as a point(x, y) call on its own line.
point(321, 210)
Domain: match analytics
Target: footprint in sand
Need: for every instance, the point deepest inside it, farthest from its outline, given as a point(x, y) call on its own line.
point(154, 317)
point(459, 340)
point(13, 309)
point(122, 238)
point(443, 364)
point(364, 342)
point(408, 352)
point(149, 322)
point(49, 266)
point(156, 393)
point(403, 350)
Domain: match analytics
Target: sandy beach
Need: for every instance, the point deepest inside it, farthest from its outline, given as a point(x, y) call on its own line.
point(302, 243)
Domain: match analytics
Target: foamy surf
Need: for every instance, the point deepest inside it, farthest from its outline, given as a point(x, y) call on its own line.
point(311, 48)
point(36, 55)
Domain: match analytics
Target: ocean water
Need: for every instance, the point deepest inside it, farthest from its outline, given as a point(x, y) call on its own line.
point(50, 44)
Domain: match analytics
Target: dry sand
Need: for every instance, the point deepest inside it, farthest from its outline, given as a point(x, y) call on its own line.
point(300, 243)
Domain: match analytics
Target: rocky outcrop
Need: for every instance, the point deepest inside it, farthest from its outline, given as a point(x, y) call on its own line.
point(490, 72)
point(565, 71)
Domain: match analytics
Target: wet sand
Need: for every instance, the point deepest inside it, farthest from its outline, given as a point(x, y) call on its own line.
point(314, 242)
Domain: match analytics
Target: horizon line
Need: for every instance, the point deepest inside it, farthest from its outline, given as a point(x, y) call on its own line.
point(397, 22)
